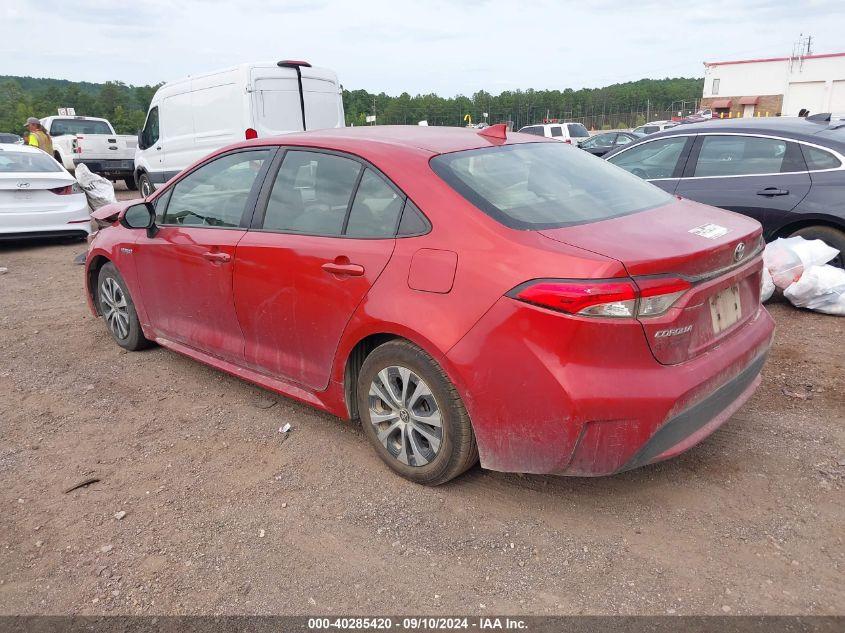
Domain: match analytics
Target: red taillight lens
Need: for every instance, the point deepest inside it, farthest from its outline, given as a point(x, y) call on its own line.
point(66, 191)
point(250, 134)
point(569, 140)
point(608, 298)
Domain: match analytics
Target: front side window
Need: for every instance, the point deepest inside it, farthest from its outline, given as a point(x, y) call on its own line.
point(819, 159)
point(544, 185)
point(311, 193)
point(746, 155)
point(150, 134)
point(375, 211)
point(556, 131)
point(655, 159)
point(215, 194)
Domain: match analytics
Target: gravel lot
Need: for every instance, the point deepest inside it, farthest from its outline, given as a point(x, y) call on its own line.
point(223, 515)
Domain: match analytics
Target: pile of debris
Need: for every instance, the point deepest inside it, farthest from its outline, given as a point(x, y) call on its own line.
point(800, 268)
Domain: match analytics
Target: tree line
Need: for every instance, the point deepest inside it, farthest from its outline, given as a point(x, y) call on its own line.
point(619, 105)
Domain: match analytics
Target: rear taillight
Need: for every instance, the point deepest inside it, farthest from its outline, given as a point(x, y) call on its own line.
point(66, 191)
point(645, 297)
point(569, 140)
point(250, 133)
point(76, 146)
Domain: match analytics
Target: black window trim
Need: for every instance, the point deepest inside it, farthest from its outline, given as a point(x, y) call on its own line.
point(257, 219)
point(690, 162)
point(249, 205)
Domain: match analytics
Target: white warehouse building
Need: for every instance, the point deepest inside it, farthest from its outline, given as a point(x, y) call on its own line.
point(775, 86)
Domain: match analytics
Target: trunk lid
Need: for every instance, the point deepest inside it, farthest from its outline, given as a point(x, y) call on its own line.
point(717, 251)
point(28, 192)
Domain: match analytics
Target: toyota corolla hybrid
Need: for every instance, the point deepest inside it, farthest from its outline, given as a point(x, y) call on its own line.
point(38, 198)
point(467, 295)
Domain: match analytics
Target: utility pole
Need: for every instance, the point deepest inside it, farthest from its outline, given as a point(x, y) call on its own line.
point(374, 109)
point(647, 110)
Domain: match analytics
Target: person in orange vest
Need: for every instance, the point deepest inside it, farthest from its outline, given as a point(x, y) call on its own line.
point(38, 136)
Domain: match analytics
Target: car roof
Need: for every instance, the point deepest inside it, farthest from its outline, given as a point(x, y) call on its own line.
point(793, 127)
point(415, 138)
point(17, 147)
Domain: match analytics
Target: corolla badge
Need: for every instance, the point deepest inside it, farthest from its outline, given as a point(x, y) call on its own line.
point(739, 251)
point(23, 185)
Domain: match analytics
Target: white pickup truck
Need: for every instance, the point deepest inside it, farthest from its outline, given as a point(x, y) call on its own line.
point(82, 139)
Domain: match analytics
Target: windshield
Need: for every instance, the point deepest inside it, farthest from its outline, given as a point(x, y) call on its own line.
point(576, 130)
point(545, 185)
point(78, 126)
point(27, 162)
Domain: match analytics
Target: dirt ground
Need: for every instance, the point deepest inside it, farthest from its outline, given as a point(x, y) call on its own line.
point(224, 516)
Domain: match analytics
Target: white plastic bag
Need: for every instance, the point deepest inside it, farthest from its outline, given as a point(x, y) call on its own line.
point(821, 288)
point(98, 190)
point(767, 286)
point(787, 258)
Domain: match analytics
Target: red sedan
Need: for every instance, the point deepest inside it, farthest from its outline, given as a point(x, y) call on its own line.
point(466, 295)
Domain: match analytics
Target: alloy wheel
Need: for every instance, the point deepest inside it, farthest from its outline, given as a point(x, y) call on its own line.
point(405, 415)
point(115, 307)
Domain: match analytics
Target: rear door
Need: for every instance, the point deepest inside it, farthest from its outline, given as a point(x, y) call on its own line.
point(323, 232)
point(185, 269)
point(761, 177)
point(276, 104)
point(660, 161)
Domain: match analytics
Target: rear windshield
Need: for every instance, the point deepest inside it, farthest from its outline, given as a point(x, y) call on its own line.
point(78, 126)
point(23, 162)
point(577, 130)
point(545, 185)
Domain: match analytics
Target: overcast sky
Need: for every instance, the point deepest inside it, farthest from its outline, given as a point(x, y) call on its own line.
point(446, 47)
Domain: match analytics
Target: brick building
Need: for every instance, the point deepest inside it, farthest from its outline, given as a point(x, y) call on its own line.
point(775, 86)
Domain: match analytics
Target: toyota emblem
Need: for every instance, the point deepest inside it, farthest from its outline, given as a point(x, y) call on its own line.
point(739, 251)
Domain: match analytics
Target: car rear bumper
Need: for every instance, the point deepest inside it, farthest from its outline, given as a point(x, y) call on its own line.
point(108, 167)
point(72, 220)
point(547, 393)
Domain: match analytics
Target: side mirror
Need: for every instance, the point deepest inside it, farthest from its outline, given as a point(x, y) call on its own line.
point(141, 139)
point(140, 216)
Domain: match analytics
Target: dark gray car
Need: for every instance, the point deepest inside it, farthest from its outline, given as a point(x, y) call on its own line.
point(788, 173)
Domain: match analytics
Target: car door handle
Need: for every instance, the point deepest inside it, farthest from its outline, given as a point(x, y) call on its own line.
point(350, 270)
point(773, 191)
point(216, 256)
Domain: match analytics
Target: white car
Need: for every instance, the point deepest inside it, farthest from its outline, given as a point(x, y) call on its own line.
point(38, 197)
point(654, 126)
point(572, 133)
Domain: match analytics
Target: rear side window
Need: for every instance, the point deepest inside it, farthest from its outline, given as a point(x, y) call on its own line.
point(375, 211)
point(655, 159)
point(215, 194)
point(311, 193)
point(544, 185)
point(746, 155)
point(556, 131)
point(413, 221)
point(819, 159)
point(576, 130)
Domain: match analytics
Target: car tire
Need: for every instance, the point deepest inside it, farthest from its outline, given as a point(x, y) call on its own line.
point(402, 396)
point(130, 183)
point(145, 185)
point(830, 236)
point(118, 310)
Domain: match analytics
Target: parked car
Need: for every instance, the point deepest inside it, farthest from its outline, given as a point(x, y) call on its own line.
point(698, 116)
point(191, 117)
point(93, 141)
point(654, 127)
point(566, 132)
point(10, 138)
point(38, 197)
point(787, 173)
point(376, 273)
point(601, 144)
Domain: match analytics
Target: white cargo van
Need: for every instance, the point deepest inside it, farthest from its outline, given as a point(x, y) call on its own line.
point(192, 117)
